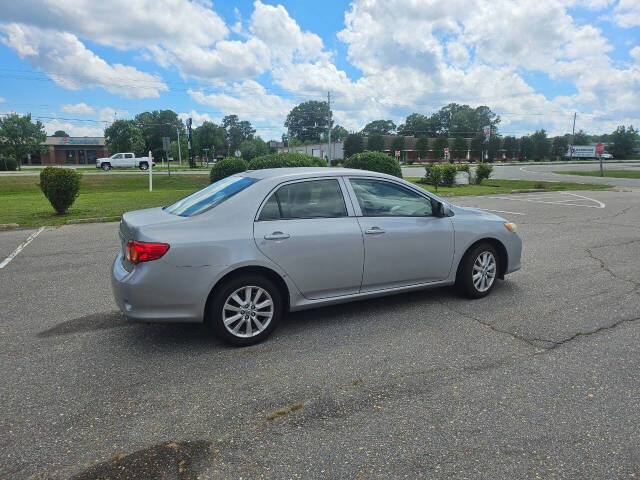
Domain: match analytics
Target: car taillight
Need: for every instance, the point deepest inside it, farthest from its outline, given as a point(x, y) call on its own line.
point(137, 252)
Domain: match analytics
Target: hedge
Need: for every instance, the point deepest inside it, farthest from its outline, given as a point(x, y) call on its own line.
point(286, 160)
point(227, 167)
point(8, 164)
point(374, 162)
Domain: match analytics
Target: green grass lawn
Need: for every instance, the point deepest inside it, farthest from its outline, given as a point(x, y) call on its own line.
point(607, 173)
point(22, 201)
point(491, 186)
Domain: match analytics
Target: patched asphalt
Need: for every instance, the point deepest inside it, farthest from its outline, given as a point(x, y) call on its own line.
point(538, 380)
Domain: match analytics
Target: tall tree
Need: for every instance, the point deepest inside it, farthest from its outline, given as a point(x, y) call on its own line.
point(581, 138)
point(559, 147)
point(125, 136)
point(510, 146)
point(155, 125)
point(379, 127)
point(623, 141)
point(422, 147)
point(237, 131)
point(397, 145)
point(338, 133)
point(353, 144)
point(60, 133)
point(526, 148)
point(417, 125)
point(253, 148)
point(485, 116)
point(541, 144)
point(308, 121)
point(211, 136)
point(19, 136)
point(375, 143)
point(439, 144)
point(460, 148)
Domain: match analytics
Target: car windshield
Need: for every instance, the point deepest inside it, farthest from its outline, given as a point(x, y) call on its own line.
point(209, 197)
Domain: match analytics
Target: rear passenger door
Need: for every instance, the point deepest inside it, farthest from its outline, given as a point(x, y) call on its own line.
point(129, 160)
point(310, 231)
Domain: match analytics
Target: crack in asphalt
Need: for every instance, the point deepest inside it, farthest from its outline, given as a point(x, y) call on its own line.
point(593, 332)
point(603, 265)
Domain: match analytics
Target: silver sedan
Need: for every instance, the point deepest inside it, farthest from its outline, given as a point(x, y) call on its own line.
point(244, 250)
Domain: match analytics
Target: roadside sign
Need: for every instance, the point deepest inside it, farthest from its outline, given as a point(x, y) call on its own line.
point(166, 144)
point(600, 148)
point(446, 153)
point(397, 153)
point(487, 132)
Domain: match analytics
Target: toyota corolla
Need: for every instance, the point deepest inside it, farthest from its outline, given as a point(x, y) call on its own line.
point(241, 252)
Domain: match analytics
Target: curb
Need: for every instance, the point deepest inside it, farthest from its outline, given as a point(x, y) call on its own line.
point(9, 226)
point(92, 220)
point(529, 190)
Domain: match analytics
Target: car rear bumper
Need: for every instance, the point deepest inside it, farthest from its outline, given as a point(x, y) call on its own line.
point(160, 292)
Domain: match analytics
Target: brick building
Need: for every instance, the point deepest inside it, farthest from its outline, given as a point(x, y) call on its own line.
point(69, 151)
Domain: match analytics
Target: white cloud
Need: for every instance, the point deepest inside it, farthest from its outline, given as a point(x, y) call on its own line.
point(198, 118)
point(457, 53)
point(635, 54)
point(70, 64)
point(72, 129)
point(627, 13)
point(80, 108)
point(2, 100)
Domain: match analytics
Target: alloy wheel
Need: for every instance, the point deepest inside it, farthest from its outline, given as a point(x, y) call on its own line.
point(248, 311)
point(484, 271)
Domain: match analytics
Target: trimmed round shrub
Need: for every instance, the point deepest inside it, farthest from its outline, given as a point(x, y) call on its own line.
point(61, 186)
point(374, 162)
point(449, 172)
point(227, 167)
point(8, 164)
point(483, 170)
point(286, 160)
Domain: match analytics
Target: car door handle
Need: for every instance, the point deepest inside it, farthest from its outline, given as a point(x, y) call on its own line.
point(374, 231)
point(277, 236)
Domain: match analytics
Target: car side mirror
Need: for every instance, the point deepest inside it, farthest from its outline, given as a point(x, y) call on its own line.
point(443, 210)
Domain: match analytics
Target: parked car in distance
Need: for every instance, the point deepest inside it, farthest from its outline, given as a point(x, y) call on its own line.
point(606, 156)
point(127, 159)
point(244, 250)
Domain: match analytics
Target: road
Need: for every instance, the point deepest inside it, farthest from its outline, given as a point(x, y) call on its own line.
point(538, 380)
point(545, 172)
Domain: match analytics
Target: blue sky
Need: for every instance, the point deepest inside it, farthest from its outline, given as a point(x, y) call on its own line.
point(78, 65)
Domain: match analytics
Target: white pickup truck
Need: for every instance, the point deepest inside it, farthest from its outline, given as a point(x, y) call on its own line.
point(123, 160)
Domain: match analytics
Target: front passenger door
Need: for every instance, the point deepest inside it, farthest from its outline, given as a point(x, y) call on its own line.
point(404, 242)
point(305, 228)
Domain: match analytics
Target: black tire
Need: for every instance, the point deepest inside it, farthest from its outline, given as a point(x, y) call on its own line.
point(215, 311)
point(106, 167)
point(464, 280)
point(143, 166)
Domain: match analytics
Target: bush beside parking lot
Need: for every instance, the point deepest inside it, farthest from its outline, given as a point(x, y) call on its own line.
point(61, 186)
point(286, 160)
point(374, 162)
point(8, 164)
point(226, 167)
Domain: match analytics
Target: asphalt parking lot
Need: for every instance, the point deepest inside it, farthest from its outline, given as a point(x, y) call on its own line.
point(538, 380)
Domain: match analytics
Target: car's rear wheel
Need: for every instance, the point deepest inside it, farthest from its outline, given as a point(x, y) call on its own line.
point(478, 272)
point(245, 310)
point(106, 167)
point(144, 165)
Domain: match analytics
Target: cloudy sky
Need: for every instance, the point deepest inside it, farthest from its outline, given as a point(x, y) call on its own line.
point(79, 64)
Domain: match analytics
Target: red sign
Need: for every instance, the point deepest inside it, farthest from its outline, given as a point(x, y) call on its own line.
point(397, 153)
point(600, 148)
point(446, 151)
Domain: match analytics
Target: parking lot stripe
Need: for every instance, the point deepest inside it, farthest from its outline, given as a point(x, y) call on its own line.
point(534, 199)
point(31, 237)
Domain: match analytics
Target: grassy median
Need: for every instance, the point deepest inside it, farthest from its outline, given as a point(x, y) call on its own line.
point(607, 173)
point(22, 201)
point(492, 186)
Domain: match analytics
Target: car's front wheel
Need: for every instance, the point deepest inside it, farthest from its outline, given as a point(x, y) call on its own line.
point(478, 271)
point(144, 165)
point(106, 167)
point(245, 310)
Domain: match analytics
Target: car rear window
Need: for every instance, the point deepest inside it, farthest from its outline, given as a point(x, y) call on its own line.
point(210, 196)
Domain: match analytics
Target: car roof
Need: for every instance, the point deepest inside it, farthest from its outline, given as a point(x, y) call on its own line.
point(302, 172)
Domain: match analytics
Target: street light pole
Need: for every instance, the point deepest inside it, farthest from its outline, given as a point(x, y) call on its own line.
point(179, 150)
point(329, 136)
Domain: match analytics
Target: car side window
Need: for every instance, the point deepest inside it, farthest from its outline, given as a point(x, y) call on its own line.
point(378, 198)
point(307, 199)
point(128, 155)
point(117, 156)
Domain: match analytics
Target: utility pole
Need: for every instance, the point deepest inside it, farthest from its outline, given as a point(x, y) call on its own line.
point(179, 150)
point(573, 132)
point(189, 143)
point(329, 136)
